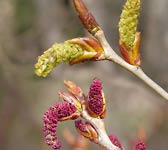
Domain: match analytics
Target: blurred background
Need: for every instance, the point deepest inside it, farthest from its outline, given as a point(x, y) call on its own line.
point(28, 27)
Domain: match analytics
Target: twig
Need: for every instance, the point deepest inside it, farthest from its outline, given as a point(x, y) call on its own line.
point(112, 56)
point(98, 124)
point(81, 103)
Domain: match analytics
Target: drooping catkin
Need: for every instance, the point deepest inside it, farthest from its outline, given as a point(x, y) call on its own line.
point(58, 53)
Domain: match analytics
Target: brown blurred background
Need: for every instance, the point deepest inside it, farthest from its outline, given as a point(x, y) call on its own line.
point(28, 27)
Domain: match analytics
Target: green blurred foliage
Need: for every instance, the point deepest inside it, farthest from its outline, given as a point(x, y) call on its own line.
point(25, 15)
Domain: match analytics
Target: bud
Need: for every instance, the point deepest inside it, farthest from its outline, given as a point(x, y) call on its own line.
point(87, 130)
point(140, 145)
point(59, 112)
point(96, 100)
point(88, 44)
point(133, 56)
point(129, 37)
point(72, 51)
point(92, 49)
point(113, 138)
point(74, 90)
point(86, 17)
point(66, 111)
point(72, 100)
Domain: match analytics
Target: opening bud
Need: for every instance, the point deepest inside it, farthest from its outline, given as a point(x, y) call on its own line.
point(87, 130)
point(129, 37)
point(140, 145)
point(92, 49)
point(71, 51)
point(96, 104)
point(132, 56)
point(113, 138)
point(74, 89)
point(72, 100)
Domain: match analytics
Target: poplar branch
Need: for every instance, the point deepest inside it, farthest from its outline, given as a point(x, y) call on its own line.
point(111, 55)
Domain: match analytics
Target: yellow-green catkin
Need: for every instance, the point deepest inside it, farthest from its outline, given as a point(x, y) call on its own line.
point(58, 53)
point(128, 22)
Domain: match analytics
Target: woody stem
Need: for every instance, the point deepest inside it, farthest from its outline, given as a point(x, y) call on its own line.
point(98, 124)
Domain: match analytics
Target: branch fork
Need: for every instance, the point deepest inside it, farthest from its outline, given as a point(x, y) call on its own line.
point(130, 45)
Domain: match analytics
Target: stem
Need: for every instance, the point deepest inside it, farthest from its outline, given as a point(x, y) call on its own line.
point(113, 56)
point(98, 124)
